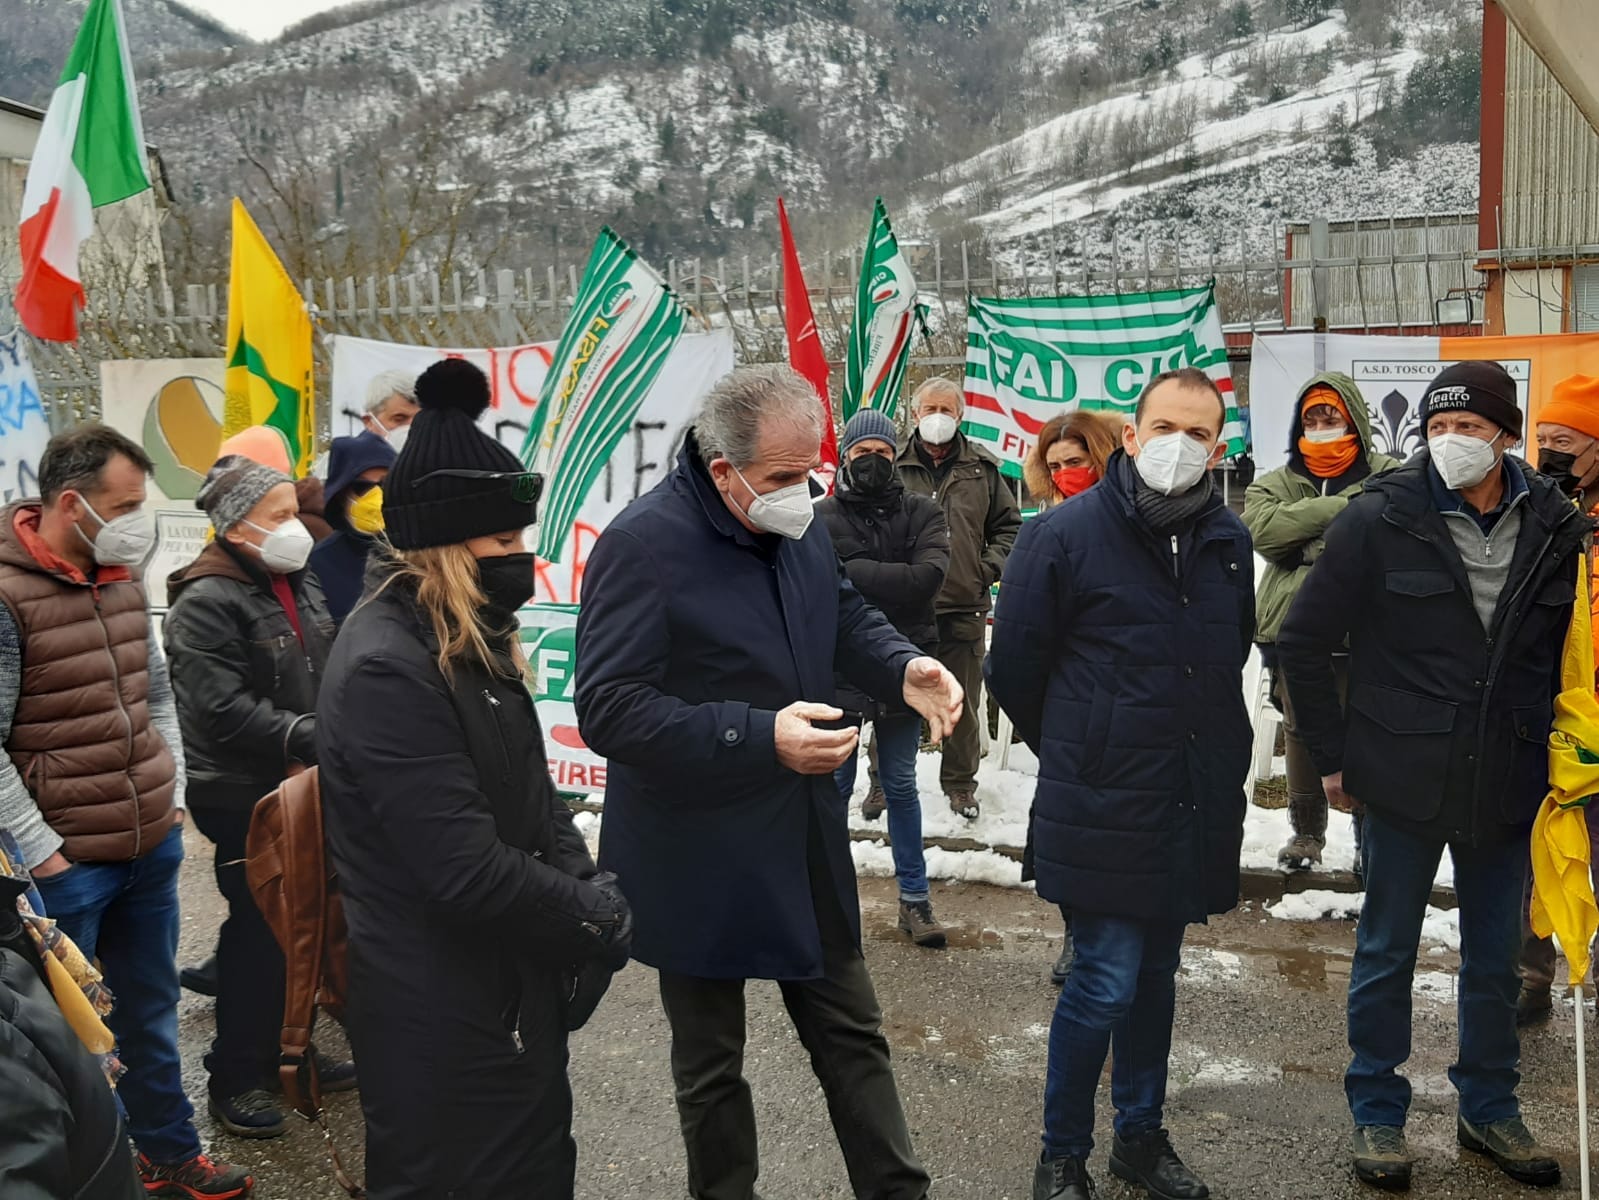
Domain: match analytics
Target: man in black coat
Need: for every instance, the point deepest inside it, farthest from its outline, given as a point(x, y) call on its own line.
point(1453, 580)
point(713, 613)
point(1124, 621)
point(895, 549)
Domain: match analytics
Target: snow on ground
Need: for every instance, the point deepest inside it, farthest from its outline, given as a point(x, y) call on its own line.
point(963, 866)
point(1440, 929)
point(1006, 796)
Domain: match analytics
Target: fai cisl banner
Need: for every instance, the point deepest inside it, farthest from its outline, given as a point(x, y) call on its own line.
point(1029, 360)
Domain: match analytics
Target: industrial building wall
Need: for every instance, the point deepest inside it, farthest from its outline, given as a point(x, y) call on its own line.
point(1550, 189)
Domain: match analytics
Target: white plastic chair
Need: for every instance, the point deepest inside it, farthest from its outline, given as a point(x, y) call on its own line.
point(1264, 719)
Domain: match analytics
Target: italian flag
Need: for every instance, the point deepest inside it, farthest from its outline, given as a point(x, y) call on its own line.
point(90, 154)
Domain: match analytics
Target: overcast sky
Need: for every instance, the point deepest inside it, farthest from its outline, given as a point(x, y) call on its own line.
point(262, 18)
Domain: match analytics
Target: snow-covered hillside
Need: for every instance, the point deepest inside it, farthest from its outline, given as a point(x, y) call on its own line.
point(1035, 125)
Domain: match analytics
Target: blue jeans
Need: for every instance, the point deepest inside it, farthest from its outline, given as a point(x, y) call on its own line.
point(1399, 874)
point(1121, 995)
point(898, 740)
point(127, 914)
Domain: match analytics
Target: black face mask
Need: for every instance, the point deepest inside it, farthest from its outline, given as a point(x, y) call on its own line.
point(871, 474)
point(507, 582)
point(1556, 466)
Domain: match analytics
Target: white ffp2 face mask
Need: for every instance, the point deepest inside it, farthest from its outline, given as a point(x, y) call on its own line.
point(124, 541)
point(285, 549)
point(786, 512)
point(1463, 461)
point(397, 438)
point(1319, 436)
point(936, 428)
point(1172, 463)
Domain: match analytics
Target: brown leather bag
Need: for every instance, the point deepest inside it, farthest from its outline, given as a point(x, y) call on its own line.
point(286, 864)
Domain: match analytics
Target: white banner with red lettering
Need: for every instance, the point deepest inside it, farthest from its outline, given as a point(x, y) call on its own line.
point(642, 459)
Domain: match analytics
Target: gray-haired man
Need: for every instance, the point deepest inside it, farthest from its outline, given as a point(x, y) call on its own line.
point(713, 612)
point(980, 507)
point(390, 403)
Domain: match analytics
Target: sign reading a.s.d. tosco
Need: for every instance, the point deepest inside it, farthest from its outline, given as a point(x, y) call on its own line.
point(549, 638)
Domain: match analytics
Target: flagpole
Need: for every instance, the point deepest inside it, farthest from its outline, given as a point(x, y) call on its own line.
point(1582, 1097)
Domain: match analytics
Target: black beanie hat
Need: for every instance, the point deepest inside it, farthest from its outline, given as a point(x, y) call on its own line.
point(448, 509)
point(1484, 388)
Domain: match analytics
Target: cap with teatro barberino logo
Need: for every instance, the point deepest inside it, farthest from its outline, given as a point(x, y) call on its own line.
point(1484, 388)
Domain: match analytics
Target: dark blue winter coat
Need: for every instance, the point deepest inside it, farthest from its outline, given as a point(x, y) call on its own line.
point(693, 633)
point(1121, 664)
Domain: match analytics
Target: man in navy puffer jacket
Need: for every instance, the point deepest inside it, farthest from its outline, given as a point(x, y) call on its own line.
point(1124, 619)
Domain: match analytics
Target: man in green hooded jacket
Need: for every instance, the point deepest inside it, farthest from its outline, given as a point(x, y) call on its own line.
point(1287, 511)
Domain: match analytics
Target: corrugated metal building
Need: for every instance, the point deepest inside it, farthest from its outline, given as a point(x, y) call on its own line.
point(1539, 221)
point(1373, 287)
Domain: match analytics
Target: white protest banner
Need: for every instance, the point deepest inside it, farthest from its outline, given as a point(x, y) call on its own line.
point(516, 374)
point(173, 408)
point(1033, 359)
point(642, 459)
point(1392, 374)
point(24, 429)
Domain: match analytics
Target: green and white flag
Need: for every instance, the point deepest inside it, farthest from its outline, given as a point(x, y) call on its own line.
point(624, 323)
point(886, 316)
point(1032, 359)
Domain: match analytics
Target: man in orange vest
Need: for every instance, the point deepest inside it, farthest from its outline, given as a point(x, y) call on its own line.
point(1568, 453)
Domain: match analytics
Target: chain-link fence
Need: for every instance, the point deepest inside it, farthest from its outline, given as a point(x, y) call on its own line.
point(1349, 276)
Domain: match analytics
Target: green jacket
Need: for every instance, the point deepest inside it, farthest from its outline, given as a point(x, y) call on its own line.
point(980, 508)
point(1287, 511)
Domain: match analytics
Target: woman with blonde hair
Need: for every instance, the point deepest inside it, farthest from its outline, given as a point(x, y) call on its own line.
point(480, 932)
point(1070, 455)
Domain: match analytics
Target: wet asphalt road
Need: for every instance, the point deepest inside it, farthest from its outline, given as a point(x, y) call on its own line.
point(1256, 1102)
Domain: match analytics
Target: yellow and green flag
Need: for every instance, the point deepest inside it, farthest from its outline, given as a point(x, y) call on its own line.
point(1562, 888)
point(268, 380)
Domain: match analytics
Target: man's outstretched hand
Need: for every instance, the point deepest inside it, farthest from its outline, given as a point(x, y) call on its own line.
point(934, 693)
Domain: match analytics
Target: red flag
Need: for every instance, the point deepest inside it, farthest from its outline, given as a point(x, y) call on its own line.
point(805, 353)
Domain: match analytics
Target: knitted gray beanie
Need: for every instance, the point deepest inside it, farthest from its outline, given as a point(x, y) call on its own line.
point(233, 487)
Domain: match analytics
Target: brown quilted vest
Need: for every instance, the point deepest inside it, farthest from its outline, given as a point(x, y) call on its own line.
point(81, 736)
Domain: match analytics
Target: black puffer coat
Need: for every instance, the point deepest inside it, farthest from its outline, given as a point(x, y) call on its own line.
point(463, 881)
point(1120, 654)
point(246, 687)
point(1448, 724)
point(895, 550)
point(61, 1137)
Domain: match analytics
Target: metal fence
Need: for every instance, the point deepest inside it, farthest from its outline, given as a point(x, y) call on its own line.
point(514, 306)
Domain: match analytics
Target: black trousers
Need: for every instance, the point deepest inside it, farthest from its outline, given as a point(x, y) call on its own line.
point(249, 963)
point(839, 1023)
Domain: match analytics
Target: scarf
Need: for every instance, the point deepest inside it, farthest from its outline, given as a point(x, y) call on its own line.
point(1171, 514)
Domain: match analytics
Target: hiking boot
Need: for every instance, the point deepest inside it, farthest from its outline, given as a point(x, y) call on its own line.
point(1148, 1160)
point(335, 1076)
point(1533, 1005)
point(1381, 1157)
point(199, 1179)
point(332, 1075)
point(201, 979)
point(1063, 964)
point(1302, 852)
point(964, 803)
point(1062, 1179)
point(916, 918)
point(251, 1114)
point(1514, 1150)
point(872, 807)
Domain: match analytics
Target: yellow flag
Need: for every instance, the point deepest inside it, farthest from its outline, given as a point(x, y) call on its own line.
point(1562, 887)
point(268, 379)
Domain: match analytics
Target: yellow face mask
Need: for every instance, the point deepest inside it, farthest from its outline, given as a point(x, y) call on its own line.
point(366, 511)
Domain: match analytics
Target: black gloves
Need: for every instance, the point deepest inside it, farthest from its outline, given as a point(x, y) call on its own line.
point(618, 941)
